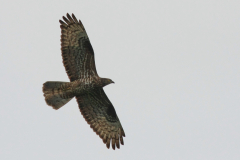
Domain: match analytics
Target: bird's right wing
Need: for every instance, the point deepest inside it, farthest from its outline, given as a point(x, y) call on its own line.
point(99, 112)
point(77, 51)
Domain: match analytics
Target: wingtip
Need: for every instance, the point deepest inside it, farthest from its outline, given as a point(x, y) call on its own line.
point(121, 141)
point(108, 143)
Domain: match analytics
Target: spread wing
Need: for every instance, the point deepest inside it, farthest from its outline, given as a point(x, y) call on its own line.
point(77, 51)
point(99, 112)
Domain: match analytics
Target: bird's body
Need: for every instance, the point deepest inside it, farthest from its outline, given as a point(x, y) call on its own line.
point(85, 84)
point(77, 87)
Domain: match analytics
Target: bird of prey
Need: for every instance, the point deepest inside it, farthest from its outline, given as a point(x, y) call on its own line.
point(85, 84)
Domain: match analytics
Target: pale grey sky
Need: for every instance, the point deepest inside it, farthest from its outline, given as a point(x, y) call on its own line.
point(176, 68)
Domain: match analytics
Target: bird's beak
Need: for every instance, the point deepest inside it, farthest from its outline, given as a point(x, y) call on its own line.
point(113, 82)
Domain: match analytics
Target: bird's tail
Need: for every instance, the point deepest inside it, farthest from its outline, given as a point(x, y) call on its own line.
point(54, 94)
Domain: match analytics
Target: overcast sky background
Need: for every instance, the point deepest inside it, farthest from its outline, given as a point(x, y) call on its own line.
point(176, 67)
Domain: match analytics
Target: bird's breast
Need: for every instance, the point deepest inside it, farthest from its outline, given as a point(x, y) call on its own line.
point(85, 85)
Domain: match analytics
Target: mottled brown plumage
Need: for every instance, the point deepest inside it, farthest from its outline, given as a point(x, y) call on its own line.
point(85, 84)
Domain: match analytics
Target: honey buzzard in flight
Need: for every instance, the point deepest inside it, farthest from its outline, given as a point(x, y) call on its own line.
point(85, 84)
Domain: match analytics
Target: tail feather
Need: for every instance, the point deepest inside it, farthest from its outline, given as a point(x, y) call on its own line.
point(52, 93)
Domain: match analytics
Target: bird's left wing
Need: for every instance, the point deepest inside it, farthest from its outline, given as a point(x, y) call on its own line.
point(99, 112)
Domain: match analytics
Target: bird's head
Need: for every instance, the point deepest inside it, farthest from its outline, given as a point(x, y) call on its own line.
point(106, 81)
